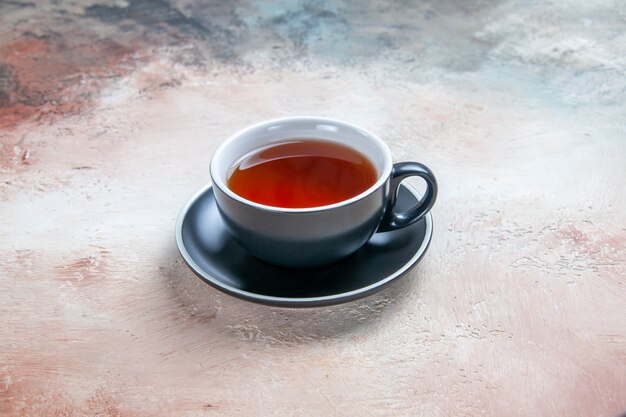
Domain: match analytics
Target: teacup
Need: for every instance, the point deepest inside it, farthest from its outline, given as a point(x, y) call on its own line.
point(315, 236)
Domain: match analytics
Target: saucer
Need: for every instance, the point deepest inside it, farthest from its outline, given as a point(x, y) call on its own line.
point(211, 253)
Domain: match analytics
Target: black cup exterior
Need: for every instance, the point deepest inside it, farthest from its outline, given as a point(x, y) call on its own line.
point(303, 239)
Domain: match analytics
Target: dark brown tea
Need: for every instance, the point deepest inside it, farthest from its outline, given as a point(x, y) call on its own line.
point(302, 173)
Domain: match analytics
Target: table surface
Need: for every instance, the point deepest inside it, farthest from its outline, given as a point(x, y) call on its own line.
point(110, 111)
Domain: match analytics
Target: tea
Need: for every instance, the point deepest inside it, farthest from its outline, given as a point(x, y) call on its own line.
point(302, 173)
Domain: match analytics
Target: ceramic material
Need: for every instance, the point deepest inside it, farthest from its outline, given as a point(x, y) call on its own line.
point(215, 257)
point(308, 237)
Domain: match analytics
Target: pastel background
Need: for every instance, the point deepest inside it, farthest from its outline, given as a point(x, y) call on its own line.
point(110, 111)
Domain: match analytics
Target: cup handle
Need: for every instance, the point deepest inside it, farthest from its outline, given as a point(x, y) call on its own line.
point(393, 220)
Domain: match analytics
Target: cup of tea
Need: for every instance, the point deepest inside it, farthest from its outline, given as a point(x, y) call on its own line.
point(308, 191)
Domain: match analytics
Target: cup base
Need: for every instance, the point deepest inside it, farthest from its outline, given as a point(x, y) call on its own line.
point(214, 256)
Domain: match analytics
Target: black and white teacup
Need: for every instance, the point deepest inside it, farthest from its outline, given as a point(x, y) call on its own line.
point(310, 237)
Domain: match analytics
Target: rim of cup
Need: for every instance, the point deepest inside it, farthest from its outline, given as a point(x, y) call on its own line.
point(220, 182)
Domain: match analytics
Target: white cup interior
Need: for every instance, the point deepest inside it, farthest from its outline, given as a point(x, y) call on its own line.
point(280, 130)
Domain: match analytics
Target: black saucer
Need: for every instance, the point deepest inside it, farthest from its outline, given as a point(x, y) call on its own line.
point(217, 259)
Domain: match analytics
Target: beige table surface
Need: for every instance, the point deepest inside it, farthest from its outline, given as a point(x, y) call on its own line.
point(111, 109)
